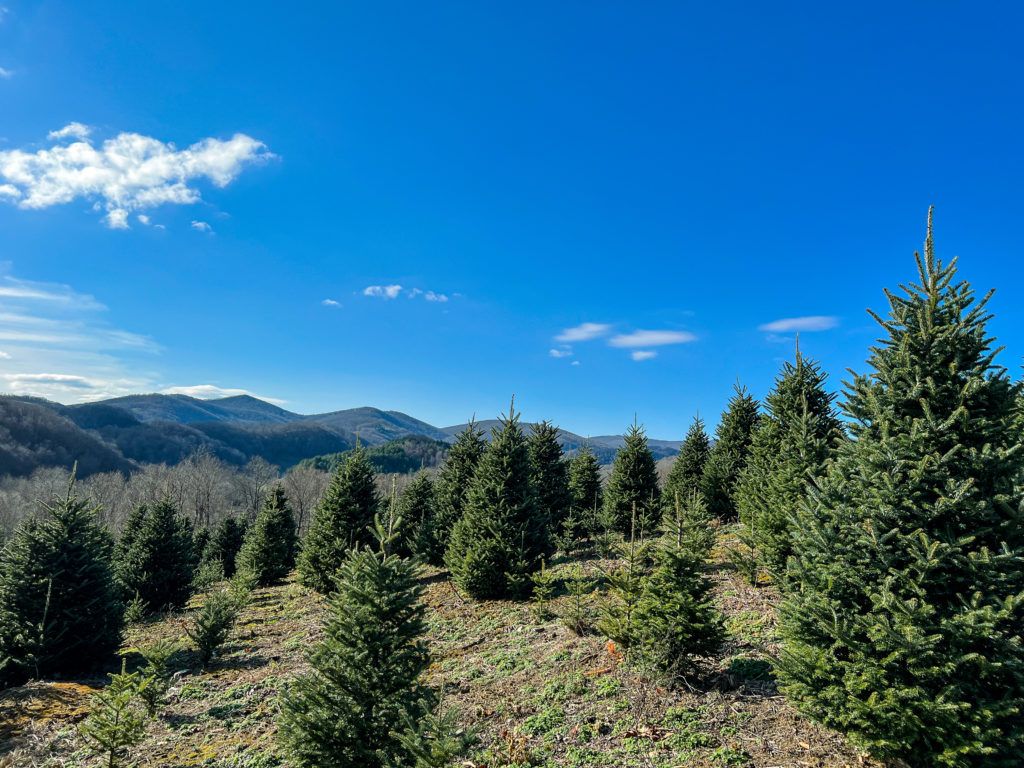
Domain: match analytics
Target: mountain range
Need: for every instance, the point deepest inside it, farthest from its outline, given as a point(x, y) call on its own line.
point(124, 432)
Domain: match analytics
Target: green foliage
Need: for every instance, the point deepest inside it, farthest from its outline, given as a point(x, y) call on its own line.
point(790, 448)
point(904, 624)
point(549, 474)
point(157, 671)
point(135, 611)
point(117, 719)
point(577, 613)
point(585, 492)
point(340, 522)
point(625, 580)
point(59, 612)
point(225, 543)
point(416, 508)
point(268, 552)
point(632, 488)
point(155, 558)
point(729, 455)
point(543, 591)
point(687, 471)
point(435, 741)
point(501, 536)
point(212, 624)
point(349, 711)
point(675, 618)
point(452, 486)
point(395, 457)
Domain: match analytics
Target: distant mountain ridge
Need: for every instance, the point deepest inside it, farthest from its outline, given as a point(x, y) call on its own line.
point(124, 432)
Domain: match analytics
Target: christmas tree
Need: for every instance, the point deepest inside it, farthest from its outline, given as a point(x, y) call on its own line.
point(452, 486)
point(59, 611)
point(340, 522)
point(903, 627)
point(729, 454)
point(549, 474)
point(633, 485)
point(501, 537)
point(155, 558)
point(688, 469)
point(268, 552)
point(416, 508)
point(585, 492)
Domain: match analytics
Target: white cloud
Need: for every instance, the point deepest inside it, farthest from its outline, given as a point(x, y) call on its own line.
point(9, 190)
point(560, 353)
point(584, 332)
point(414, 292)
point(800, 324)
point(70, 131)
point(331, 303)
point(143, 219)
point(4, 355)
point(213, 392)
point(127, 173)
point(431, 296)
point(382, 291)
point(643, 354)
point(5, 73)
point(201, 226)
point(575, 362)
point(651, 339)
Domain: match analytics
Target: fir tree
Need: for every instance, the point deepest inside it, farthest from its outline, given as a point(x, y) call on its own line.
point(549, 474)
point(225, 543)
point(59, 612)
point(501, 537)
point(268, 552)
point(790, 448)
point(212, 624)
point(904, 624)
point(585, 492)
point(117, 719)
point(688, 469)
point(675, 618)
point(157, 561)
point(452, 486)
point(416, 508)
point(729, 455)
point(340, 522)
point(625, 588)
point(633, 485)
point(351, 710)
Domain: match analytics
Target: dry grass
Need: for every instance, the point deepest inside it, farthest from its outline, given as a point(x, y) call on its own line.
point(538, 694)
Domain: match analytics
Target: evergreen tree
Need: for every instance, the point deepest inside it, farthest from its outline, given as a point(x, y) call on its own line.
point(585, 485)
point(790, 448)
point(416, 508)
point(157, 561)
point(501, 537)
point(904, 624)
point(117, 718)
point(340, 522)
point(549, 474)
point(625, 588)
point(675, 618)
point(688, 469)
point(225, 543)
point(729, 454)
point(268, 552)
point(365, 683)
point(452, 486)
point(59, 611)
point(633, 485)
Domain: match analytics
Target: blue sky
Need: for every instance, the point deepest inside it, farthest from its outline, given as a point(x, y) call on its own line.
point(183, 186)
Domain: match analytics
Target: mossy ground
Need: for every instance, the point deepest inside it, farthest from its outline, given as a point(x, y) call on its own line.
point(538, 694)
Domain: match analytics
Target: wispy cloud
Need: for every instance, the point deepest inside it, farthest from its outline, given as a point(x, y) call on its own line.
point(560, 353)
point(129, 172)
point(201, 226)
point(584, 332)
point(331, 303)
point(214, 392)
point(808, 324)
point(438, 297)
point(651, 339)
point(4, 355)
point(382, 291)
point(640, 355)
point(5, 73)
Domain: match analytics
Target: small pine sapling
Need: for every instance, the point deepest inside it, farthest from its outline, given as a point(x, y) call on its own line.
point(577, 614)
point(212, 624)
point(626, 583)
point(543, 591)
point(157, 671)
point(117, 718)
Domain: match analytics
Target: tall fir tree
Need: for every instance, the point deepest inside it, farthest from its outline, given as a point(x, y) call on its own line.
point(156, 558)
point(688, 469)
point(268, 552)
point(341, 521)
point(904, 624)
point(790, 449)
point(585, 490)
point(452, 486)
point(417, 510)
point(225, 542)
point(501, 537)
point(549, 474)
point(365, 681)
point(59, 608)
point(633, 486)
point(729, 454)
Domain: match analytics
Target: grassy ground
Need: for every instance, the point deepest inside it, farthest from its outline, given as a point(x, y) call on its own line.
point(539, 694)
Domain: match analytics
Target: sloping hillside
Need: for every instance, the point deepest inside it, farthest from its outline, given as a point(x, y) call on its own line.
point(374, 426)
